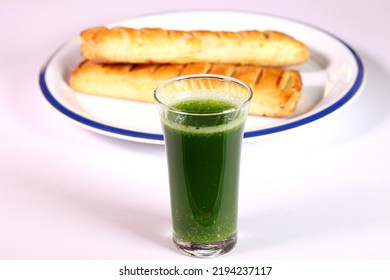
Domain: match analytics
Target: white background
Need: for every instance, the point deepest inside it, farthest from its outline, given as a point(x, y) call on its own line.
point(317, 192)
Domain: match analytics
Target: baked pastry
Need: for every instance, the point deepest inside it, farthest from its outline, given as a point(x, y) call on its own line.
point(155, 45)
point(276, 91)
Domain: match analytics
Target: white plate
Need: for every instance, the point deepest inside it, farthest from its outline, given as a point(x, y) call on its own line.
point(331, 78)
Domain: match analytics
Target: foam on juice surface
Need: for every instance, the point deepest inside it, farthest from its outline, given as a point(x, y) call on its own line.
point(204, 105)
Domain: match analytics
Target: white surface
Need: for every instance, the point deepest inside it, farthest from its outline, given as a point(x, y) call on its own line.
point(331, 75)
point(321, 192)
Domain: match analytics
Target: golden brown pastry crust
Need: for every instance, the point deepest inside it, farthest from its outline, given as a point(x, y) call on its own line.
point(276, 91)
point(155, 45)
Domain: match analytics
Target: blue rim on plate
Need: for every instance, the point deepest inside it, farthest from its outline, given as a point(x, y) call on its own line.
point(248, 134)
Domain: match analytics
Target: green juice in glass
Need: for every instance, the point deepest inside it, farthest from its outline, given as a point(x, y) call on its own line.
point(203, 151)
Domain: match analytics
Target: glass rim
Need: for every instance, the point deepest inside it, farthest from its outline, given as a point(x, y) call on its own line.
point(204, 76)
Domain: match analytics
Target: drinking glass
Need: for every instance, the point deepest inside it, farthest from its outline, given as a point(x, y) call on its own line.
point(203, 118)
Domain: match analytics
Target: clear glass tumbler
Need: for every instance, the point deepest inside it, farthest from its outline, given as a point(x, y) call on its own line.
point(203, 118)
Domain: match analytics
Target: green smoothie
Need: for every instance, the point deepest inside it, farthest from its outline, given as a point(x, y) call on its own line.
point(203, 158)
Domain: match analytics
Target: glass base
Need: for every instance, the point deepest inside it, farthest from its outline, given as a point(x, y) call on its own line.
point(205, 250)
